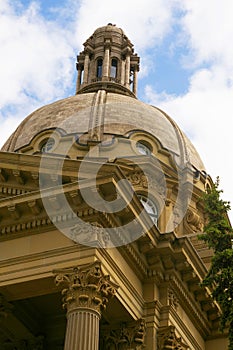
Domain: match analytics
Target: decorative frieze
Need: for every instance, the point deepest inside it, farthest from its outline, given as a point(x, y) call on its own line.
point(89, 234)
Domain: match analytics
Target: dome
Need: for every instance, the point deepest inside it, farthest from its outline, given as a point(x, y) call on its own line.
point(105, 106)
point(120, 116)
point(109, 28)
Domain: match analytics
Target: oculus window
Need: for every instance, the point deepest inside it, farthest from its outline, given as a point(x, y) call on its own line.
point(47, 145)
point(143, 148)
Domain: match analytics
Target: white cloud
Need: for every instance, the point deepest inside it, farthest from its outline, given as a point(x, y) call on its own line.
point(208, 26)
point(35, 60)
point(144, 22)
point(205, 114)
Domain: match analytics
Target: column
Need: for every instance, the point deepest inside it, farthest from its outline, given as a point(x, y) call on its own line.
point(86, 68)
point(86, 292)
point(78, 83)
point(127, 70)
point(106, 61)
point(135, 85)
point(123, 71)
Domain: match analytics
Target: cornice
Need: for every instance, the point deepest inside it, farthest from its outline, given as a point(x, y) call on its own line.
point(190, 305)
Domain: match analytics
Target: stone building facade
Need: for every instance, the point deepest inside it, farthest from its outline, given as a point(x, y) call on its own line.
point(99, 216)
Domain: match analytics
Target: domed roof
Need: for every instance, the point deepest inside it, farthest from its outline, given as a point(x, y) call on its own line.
point(105, 102)
point(109, 28)
point(118, 115)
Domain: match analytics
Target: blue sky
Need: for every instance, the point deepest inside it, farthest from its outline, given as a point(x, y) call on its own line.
point(186, 63)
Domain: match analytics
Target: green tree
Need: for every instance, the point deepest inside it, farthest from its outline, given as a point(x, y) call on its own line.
point(218, 234)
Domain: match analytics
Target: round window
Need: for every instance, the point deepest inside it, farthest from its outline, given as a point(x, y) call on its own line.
point(143, 148)
point(150, 207)
point(47, 145)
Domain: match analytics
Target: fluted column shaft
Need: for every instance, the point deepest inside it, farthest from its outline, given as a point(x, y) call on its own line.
point(82, 330)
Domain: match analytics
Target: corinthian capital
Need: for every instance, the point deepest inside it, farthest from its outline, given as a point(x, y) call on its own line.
point(85, 287)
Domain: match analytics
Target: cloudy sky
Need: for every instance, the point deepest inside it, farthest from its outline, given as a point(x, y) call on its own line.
point(186, 63)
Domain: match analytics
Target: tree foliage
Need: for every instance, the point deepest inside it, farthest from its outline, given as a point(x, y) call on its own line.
point(218, 234)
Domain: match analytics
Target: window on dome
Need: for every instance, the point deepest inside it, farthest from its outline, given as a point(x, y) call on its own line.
point(47, 145)
point(99, 68)
point(150, 207)
point(113, 72)
point(143, 148)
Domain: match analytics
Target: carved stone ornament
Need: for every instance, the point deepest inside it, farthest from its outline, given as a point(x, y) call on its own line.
point(168, 340)
point(88, 234)
point(172, 300)
point(146, 180)
point(126, 337)
point(192, 222)
point(86, 287)
point(138, 178)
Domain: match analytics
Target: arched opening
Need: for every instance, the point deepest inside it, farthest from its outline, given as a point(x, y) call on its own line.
point(113, 71)
point(99, 68)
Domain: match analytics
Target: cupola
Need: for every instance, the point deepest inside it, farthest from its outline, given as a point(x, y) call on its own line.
point(108, 62)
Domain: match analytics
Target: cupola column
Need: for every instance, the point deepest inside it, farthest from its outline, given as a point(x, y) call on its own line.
point(127, 70)
point(78, 83)
point(123, 71)
point(86, 68)
point(106, 61)
point(86, 292)
point(135, 80)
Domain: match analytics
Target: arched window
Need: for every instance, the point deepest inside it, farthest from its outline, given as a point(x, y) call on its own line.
point(150, 207)
point(113, 71)
point(99, 68)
